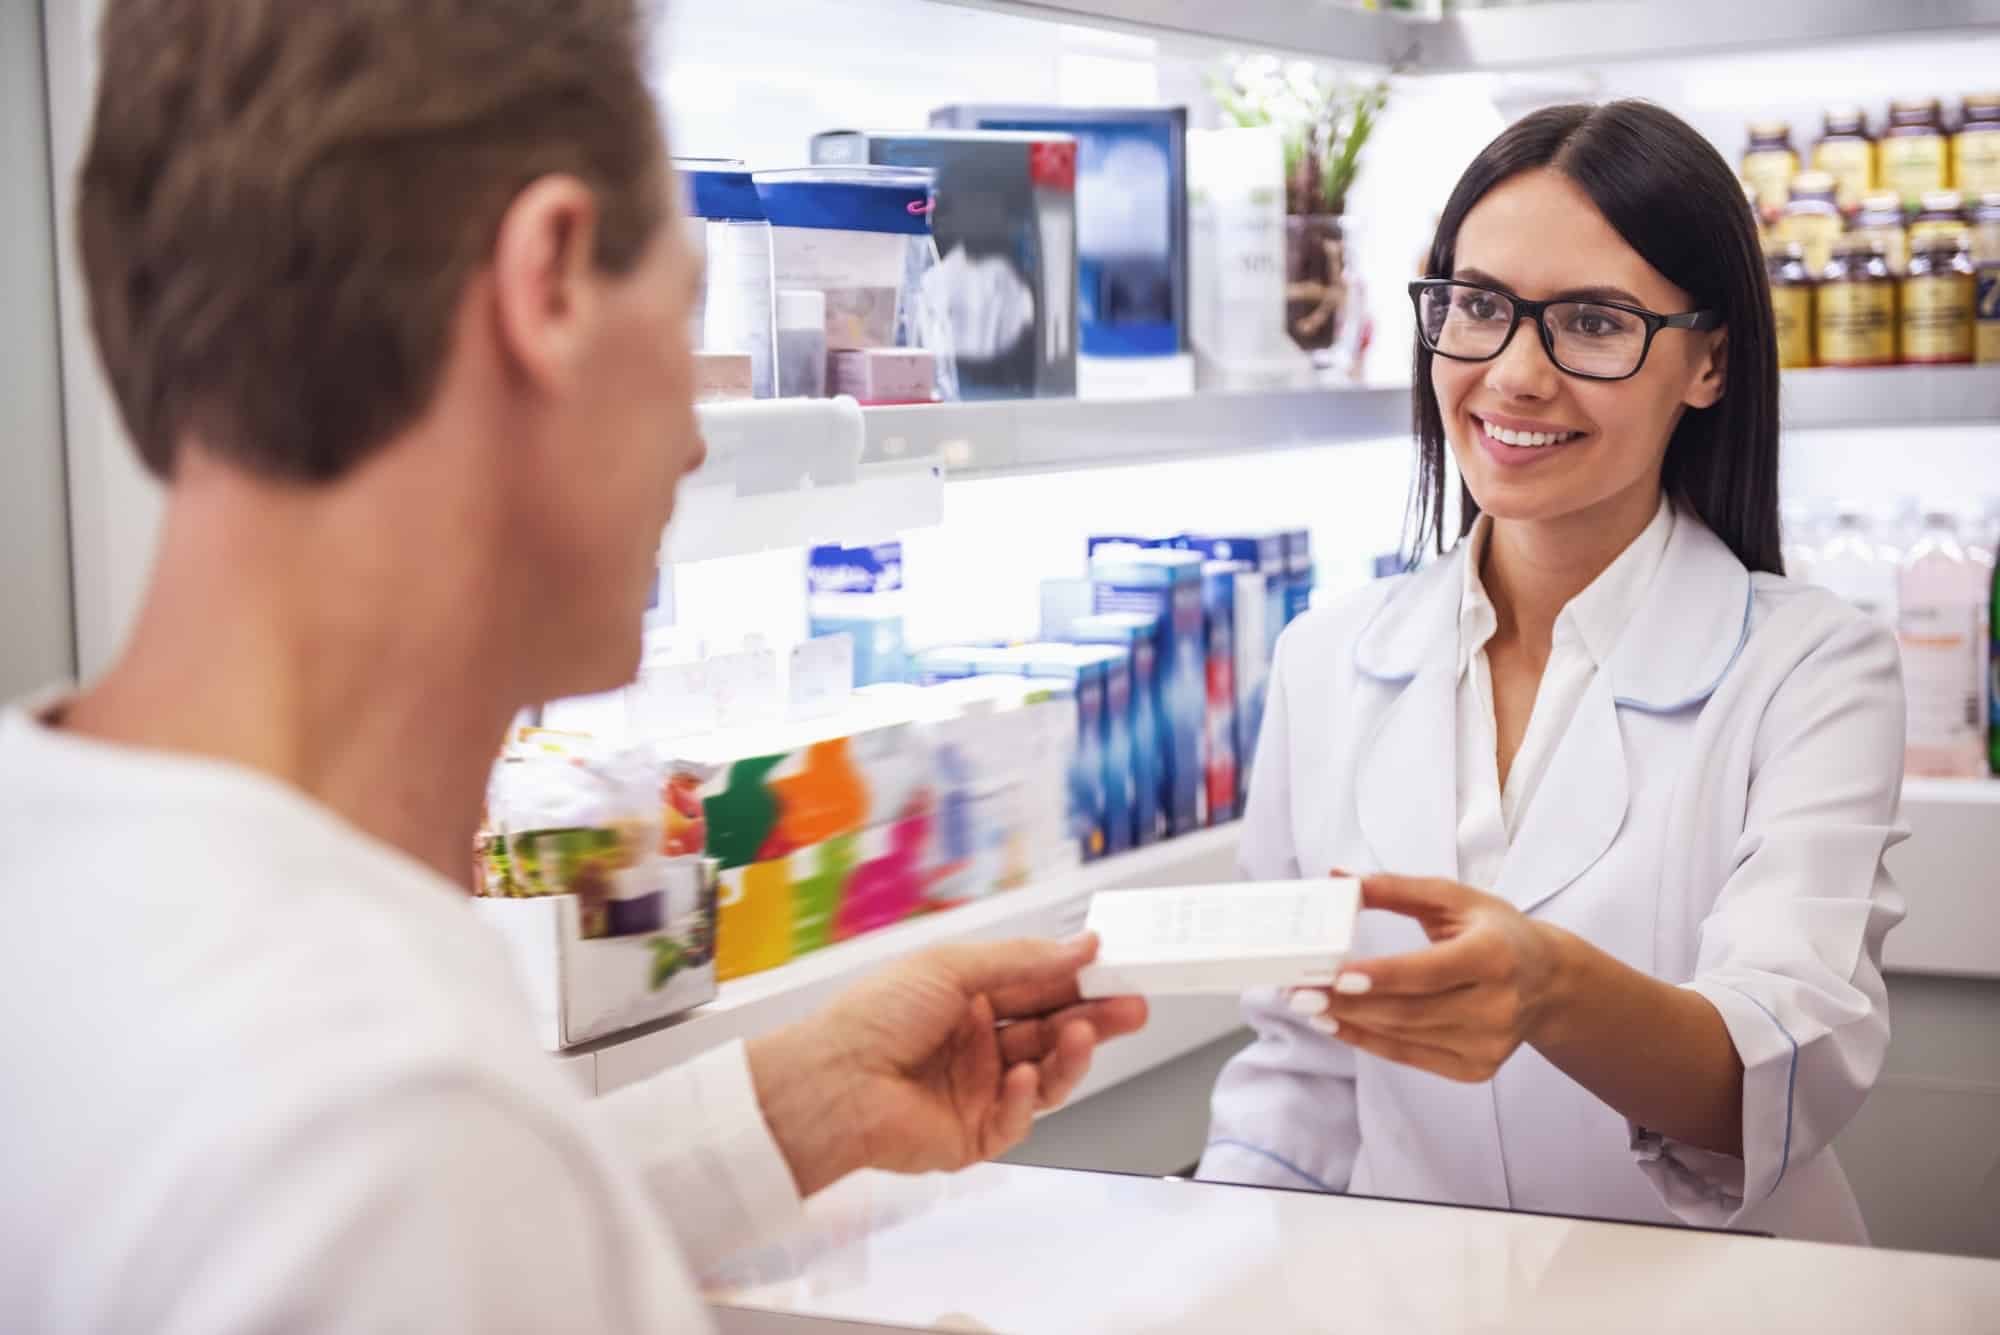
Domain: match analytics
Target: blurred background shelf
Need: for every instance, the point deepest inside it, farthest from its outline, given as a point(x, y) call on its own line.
point(1561, 35)
point(1557, 35)
point(1891, 396)
point(1048, 435)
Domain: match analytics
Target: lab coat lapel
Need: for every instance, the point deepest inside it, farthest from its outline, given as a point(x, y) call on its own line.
point(1683, 637)
point(1577, 810)
point(1407, 776)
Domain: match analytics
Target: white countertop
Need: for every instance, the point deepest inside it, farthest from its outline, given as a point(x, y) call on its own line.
point(1003, 1248)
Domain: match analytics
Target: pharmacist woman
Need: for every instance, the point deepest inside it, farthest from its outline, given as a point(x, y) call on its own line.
point(1634, 785)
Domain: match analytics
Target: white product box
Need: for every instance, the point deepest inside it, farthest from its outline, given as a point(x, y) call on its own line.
point(582, 988)
point(1220, 938)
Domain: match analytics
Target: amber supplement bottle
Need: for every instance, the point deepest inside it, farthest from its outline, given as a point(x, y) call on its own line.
point(1769, 163)
point(1791, 304)
point(1846, 152)
point(1854, 308)
point(1915, 152)
point(1937, 304)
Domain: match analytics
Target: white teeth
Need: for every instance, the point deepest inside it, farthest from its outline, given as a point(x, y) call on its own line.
point(1527, 439)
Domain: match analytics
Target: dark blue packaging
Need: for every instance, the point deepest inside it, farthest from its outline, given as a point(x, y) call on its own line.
point(1131, 218)
point(1261, 554)
point(1298, 573)
point(1138, 636)
point(1111, 666)
point(1221, 744)
point(1168, 584)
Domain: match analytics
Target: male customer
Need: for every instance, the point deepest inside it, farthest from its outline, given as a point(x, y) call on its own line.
point(393, 298)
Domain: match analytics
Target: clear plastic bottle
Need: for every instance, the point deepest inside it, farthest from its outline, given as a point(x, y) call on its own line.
point(1854, 564)
point(1941, 625)
point(1800, 528)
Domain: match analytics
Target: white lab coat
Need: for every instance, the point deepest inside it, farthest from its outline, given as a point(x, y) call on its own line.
point(1715, 815)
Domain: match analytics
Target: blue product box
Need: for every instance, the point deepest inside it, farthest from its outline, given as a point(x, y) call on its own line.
point(1299, 573)
point(1097, 540)
point(1086, 771)
point(1167, 584)
point(1221, 744)
point(1082, 664)
point(859, 591)
point(1131, 219)
point(1261, 554)
point(1139, 636)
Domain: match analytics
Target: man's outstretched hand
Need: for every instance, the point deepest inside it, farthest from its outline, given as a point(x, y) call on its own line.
point(936, 1062)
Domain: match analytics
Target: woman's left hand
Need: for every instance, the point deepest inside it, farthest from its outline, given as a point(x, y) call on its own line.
point(1458, 1008)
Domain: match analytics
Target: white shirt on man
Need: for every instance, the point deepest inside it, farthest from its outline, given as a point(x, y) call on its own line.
point(263, 1072)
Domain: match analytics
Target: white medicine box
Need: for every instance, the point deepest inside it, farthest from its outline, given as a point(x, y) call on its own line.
point(587, 987)
point(1220, 938)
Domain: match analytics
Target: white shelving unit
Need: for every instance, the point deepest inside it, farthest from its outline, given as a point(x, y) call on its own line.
point(1950, 866)
point(1529, 36)
point(1050, 435)
point(1891, 396)
point(790, 473)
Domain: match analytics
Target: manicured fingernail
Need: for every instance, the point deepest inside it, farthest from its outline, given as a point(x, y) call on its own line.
point(1309, 1002)
point(1352, 984)
point(1326, 1024)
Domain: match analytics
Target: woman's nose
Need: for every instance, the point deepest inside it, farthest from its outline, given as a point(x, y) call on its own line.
point(1523, 369)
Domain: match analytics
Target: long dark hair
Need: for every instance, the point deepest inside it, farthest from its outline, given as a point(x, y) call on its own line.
point(1671, 196)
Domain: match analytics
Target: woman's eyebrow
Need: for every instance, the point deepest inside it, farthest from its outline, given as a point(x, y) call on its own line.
point(1599, 293)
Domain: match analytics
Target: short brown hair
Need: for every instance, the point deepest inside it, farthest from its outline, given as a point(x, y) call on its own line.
point(282, 203)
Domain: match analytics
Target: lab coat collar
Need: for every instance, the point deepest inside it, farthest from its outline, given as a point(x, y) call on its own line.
point(1686, 630)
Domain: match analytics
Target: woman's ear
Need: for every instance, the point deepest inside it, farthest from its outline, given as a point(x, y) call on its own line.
point(1712, 376)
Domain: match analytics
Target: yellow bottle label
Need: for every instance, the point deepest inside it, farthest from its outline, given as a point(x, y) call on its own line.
point(1975, 162)
point(1937, 318)
point(1770, 173)
point(1856, 324)
point(1986, 329)
point(1851, 162)
point(1816, 232)
point(1912, 164)
point(1793, 307)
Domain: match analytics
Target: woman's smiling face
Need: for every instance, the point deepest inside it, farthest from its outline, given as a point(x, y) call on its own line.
point(1534, 443)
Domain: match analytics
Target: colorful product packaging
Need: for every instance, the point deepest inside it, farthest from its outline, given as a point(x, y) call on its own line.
point(1220, 741)
point(1131, 219)
point(858, 591)
point(1262, 601)
point(1138, 634)
point(1006, 227)
point(1073, 663)
point(1168, 584)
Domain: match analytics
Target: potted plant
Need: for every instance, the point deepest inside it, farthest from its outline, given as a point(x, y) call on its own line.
point(1325, 121)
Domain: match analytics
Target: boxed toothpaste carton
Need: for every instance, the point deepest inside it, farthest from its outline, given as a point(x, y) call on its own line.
point(1220, 742)
point(1167, 583)
point(1260, 620)
point(1139, 635)
point(1069, 662)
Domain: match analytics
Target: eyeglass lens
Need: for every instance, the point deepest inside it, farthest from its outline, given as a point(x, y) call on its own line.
point(1472, 323)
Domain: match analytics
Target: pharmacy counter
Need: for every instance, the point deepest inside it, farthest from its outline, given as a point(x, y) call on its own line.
point(1005, 1248)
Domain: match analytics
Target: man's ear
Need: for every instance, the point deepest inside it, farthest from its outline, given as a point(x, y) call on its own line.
point(543, 299)
point(1713, 377)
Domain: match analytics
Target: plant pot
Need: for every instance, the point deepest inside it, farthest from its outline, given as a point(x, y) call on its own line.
point(1315, 281)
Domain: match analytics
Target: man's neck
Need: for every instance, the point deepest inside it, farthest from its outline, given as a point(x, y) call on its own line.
point(1532, 569)
point(331, 639)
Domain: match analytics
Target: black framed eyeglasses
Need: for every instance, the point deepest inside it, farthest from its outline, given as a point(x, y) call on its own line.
point(1596, 340)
